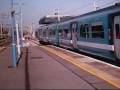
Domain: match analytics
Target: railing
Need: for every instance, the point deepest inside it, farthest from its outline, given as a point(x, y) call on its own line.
point(5, 41)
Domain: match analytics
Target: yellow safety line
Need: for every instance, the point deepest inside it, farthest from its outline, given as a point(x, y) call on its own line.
point(99, 73)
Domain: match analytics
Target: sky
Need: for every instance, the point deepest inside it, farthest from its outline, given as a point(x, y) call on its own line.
point(33, 10)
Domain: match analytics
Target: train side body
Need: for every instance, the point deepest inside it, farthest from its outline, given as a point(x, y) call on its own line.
point(90, 33)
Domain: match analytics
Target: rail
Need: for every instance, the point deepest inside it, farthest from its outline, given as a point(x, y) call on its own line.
point(4, 41)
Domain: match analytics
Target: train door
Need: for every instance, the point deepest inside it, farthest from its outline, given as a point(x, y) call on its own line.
point(74, 34)
point(117, 36)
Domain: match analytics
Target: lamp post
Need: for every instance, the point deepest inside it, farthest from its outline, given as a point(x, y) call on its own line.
point(58, 16)
point(21, 25)
point(1, 28)
point(18, 41)
point(58, 20)
point(14, 53)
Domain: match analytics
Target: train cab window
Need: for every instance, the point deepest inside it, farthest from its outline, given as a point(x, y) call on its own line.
point(97, 31)
point(84, 31)
point(117, 28)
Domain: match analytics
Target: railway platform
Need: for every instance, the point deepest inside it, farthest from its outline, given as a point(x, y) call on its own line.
point(49, 67)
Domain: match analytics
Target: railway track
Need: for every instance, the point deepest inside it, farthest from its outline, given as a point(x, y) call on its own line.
point(4, 43)
point(104, 59)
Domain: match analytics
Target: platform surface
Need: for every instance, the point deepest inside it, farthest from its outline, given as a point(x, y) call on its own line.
point(40, 69)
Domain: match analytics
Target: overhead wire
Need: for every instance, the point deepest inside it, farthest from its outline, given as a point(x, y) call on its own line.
point(90, 4)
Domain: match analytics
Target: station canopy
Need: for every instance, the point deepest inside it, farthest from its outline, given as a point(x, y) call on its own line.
point(54, 19)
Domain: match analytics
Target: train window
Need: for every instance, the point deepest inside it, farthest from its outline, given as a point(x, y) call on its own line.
point(52, 33)
point(48, 32)
point(69, 35)
point(44, 34)
point(97, 31)
point(64, 33)
point(117, 27)
point(87, 30)
point(84, 31)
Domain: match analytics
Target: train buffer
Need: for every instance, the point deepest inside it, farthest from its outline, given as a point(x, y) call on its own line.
point(50, 67)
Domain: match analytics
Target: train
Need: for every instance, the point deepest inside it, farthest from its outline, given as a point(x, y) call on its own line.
point(96, 32)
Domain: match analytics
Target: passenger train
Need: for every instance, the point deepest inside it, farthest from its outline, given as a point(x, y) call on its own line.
point(96, 32)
